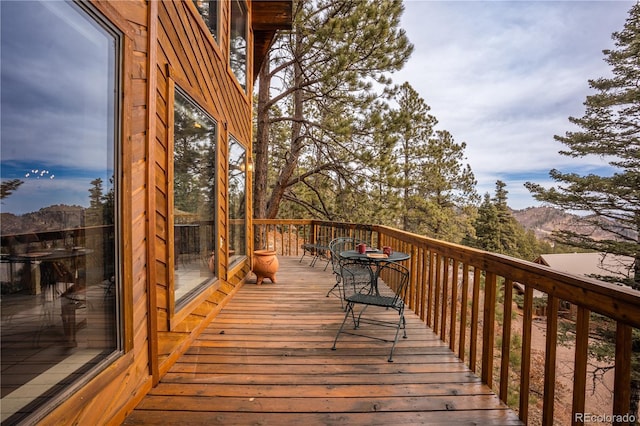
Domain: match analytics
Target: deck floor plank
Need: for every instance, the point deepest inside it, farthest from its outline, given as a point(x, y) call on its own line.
point(266, 359)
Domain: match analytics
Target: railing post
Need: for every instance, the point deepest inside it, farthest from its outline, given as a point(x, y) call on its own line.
point(475, 307)
point(430, 280)
point(454, 305)
point(580, 369)
point(436, 293)
point(550, 364)
point(622, 380)
point(463, 311)
point(525, 369)
point(488, 335)
point(445, 298)
point(506, 340)
point(421, 279)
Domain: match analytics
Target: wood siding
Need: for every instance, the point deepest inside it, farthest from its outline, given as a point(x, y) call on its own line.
point(165, 43)
point(188, 56)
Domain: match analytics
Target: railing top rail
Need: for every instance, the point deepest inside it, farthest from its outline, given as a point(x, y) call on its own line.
point(282, 221)
point(34, 236)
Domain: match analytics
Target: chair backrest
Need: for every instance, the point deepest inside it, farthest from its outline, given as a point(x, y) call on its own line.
point(356, 277)
point(338, 245)
point(396, 278)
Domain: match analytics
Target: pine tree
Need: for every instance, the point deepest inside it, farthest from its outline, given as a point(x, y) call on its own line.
point(386, 202)
point(506, 222)
point(610, 129)
point(325, 69)
point(448, 186)
point(412, 126)
point(497, 230)
point(487, 234)
point(93, 215)
point(9, 187)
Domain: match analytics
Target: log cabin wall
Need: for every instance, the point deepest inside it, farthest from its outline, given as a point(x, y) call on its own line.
point(165, 44)
point(189, 57)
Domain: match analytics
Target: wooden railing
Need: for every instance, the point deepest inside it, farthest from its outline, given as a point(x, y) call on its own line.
point(467, 297)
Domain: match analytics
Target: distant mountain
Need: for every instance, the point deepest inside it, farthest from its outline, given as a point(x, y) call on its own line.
point(50, 218)
point(544, 220)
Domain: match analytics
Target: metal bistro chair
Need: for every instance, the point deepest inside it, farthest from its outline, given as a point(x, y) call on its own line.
point(396, 278)
point(316, 251)
point(356, 277)
point(336, 246)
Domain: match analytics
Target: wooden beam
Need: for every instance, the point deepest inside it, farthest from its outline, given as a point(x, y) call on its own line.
point(271, 15)
point(261, 44)
point(267, 17)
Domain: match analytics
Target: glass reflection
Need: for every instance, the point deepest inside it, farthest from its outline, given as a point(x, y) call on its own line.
point(237, 202)
point(238, 42)
point(208, 9)
point(194, 189)
point(58, 273)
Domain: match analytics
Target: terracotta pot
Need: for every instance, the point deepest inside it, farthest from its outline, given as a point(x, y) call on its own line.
point(265, 265)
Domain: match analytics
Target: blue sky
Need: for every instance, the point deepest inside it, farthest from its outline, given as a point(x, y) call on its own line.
point(505, 76)
point(55, 127)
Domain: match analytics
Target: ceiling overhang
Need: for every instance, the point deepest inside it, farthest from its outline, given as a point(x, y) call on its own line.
point(267, 17)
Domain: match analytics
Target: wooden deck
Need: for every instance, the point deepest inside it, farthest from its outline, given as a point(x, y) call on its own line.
point(267, 360)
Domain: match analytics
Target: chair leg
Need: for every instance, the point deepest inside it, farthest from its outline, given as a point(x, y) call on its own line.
point(357, 323)
point(335, 287)
point(346, 315)
point(327, 264)
point(401, 323)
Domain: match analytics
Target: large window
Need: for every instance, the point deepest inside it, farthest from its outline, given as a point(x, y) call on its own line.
point(238, 41)
point(195, 195)
point(209, 10)
point(237, 202)
point(59, 274)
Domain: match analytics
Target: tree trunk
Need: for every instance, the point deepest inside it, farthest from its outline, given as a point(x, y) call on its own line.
point(291, 161)
point(405, 185)
point(261, 145)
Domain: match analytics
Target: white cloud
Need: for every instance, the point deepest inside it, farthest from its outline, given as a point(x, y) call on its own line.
point(504, 76)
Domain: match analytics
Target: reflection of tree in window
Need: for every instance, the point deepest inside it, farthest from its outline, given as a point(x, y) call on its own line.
point(194, 189)
point(194, 147)
point(101, 206)
point(238, 42)
point(8, 187)
point(237, 201)
point(236, 189)
point(208, 9)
